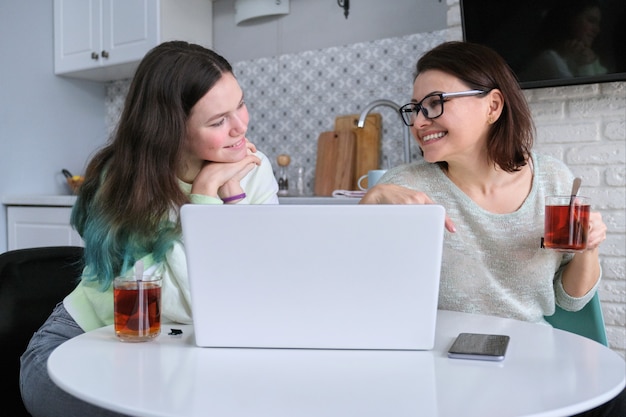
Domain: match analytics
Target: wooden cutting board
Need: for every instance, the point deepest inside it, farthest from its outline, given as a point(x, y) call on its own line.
point(368, 143)
point(334, 167)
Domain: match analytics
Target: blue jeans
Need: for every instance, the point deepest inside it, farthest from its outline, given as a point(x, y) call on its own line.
point(40, 395)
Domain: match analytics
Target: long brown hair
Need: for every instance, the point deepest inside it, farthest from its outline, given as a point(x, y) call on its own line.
point(481, 68)
point(131, 187)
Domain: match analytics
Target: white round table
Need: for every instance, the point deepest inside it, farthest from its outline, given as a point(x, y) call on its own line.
point(546, 372)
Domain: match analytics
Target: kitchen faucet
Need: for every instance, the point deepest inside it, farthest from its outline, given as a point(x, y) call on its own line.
point(388, 103)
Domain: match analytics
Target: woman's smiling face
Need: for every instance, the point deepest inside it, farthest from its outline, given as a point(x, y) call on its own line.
point(217, 126)
point(462, 128)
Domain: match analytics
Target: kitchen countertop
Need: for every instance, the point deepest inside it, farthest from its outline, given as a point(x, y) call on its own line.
point(39, 200)
point(68, 200)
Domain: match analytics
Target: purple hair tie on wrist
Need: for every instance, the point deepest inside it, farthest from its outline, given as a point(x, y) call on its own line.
point(234, 197)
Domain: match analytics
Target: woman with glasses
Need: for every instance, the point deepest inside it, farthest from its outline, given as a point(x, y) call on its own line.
point(475, 131)
point(474, 128)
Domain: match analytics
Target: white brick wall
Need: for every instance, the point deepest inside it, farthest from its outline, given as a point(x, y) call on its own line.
point(585, 126)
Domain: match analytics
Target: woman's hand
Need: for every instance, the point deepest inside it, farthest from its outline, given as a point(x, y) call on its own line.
point(251, 147)
point(396, 194)
point(597, 230)
point(582, 272)
point(222, 179)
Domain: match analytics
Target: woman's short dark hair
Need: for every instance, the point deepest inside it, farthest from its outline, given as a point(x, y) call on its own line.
point(481, 68)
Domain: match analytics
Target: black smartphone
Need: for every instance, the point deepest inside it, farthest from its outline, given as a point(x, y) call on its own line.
point(486, 347)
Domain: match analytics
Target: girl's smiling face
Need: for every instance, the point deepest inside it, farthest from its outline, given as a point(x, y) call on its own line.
point(216, 127)
point(461, 131)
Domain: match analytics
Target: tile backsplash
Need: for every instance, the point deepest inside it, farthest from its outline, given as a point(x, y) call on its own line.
point(293, 98)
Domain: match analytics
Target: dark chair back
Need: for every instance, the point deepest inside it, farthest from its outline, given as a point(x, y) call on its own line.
point(32, 282)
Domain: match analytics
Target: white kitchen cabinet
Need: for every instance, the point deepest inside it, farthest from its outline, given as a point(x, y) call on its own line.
point(104, 40)
point(30, 227)
point(40, 220)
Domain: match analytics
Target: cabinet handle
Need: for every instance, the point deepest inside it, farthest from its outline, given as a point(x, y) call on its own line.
point(105, 54)
point(94, 56)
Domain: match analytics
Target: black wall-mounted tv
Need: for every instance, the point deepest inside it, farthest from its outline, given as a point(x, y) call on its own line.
point(551, 43)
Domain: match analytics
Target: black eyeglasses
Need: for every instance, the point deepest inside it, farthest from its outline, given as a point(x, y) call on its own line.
point(431, 106)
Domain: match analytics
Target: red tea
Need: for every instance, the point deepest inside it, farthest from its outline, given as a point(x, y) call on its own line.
point(566, 230)
point(137, 310)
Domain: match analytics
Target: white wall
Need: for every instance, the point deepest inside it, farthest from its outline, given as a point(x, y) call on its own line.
point(46, 122)
point(314, 24)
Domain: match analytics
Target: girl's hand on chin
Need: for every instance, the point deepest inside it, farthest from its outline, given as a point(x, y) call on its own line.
point(251, 146)
point(214, 175)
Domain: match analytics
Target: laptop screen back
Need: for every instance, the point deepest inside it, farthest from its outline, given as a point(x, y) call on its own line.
point(316, 276)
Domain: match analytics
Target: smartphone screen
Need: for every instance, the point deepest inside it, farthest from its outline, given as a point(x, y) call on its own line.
point(486, 347)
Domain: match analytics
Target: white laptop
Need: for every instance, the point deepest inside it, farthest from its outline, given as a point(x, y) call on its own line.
point(314, 276)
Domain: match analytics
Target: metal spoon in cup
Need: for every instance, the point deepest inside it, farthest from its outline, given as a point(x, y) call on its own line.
point(572, 200)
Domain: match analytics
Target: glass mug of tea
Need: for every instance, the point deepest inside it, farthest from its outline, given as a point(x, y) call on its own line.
point(566, 223)
point(137, 307)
